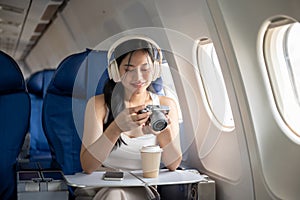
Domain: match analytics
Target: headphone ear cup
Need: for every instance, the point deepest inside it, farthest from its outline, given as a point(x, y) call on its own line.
point(114, 71)
point(156, 70)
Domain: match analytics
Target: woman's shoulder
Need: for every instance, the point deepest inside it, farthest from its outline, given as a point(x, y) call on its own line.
point(96, 104)
point(97, 100)
point(165, 100)
point(99, 97)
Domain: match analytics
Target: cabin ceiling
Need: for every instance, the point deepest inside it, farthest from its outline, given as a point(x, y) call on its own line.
point(23, 22)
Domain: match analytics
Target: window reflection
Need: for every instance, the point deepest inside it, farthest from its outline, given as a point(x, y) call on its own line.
point(281, 49)
point(214, 86)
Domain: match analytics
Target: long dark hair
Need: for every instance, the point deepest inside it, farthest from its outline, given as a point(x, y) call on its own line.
point(120, 52)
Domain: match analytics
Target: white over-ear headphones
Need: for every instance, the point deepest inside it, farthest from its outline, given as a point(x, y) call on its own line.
point(113, 69)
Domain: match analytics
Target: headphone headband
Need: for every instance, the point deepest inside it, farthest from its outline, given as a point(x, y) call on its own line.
point(132, 37)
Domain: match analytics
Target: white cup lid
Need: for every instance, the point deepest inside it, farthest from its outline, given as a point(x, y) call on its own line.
point(151, 148)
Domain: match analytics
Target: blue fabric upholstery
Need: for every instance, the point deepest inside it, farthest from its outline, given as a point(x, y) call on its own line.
point(14, 120)
point(74, 82)
point(36, 86)
point(157, 86)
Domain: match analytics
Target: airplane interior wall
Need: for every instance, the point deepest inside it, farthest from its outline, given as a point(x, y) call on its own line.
point(272, 150)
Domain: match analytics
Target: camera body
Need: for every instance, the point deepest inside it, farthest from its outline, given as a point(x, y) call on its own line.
point(157, 119)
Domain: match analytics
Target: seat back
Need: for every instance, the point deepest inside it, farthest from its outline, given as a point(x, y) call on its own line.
point(37, 85)
point(74, 82)
point(14, 120)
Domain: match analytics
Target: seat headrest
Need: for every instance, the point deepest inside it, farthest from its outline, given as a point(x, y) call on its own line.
point(11, 78)
point(37, 81)
point(102, 81)
point(80, 74)
point(65, 76)
point(97, 73)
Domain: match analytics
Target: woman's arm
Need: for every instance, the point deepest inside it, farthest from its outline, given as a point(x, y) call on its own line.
point(96, 145)
point(169, 138)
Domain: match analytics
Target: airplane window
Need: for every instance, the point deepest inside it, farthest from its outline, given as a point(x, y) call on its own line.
point(218, 105)
point(281, 51)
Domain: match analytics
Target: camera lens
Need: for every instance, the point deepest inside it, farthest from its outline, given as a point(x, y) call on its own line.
point(158, 121)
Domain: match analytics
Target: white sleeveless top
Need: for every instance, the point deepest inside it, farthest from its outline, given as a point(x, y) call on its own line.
point(127, 157)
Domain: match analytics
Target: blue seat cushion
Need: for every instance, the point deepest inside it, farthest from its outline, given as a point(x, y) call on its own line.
point(61, 131)
point(14, 120)
point(37, 85)
point(38, 142)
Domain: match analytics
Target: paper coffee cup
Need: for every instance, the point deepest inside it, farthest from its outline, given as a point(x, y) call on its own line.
point(150, 160)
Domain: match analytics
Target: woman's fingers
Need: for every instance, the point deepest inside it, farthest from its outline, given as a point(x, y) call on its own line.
point(140, 119)
point(136, 109)
point(149, 130)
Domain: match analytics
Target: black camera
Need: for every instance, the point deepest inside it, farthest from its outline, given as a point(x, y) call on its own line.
point(157, 119)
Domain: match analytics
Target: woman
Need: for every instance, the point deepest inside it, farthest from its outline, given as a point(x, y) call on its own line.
point(115, 130)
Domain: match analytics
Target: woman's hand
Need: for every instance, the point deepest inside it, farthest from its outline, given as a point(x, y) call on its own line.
point(130, 118)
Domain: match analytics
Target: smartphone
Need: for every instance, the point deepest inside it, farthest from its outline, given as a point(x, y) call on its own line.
point(113, 176)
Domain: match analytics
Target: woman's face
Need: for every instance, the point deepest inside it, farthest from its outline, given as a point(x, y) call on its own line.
point(136, 71)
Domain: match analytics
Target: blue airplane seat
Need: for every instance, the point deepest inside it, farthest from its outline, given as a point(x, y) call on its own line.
point(14, 122)
point(74, 82)
point(57, 118)
point(37, 85)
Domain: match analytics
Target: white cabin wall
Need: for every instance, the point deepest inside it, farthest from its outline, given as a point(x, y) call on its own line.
point(273, 154)
point(222, 155)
